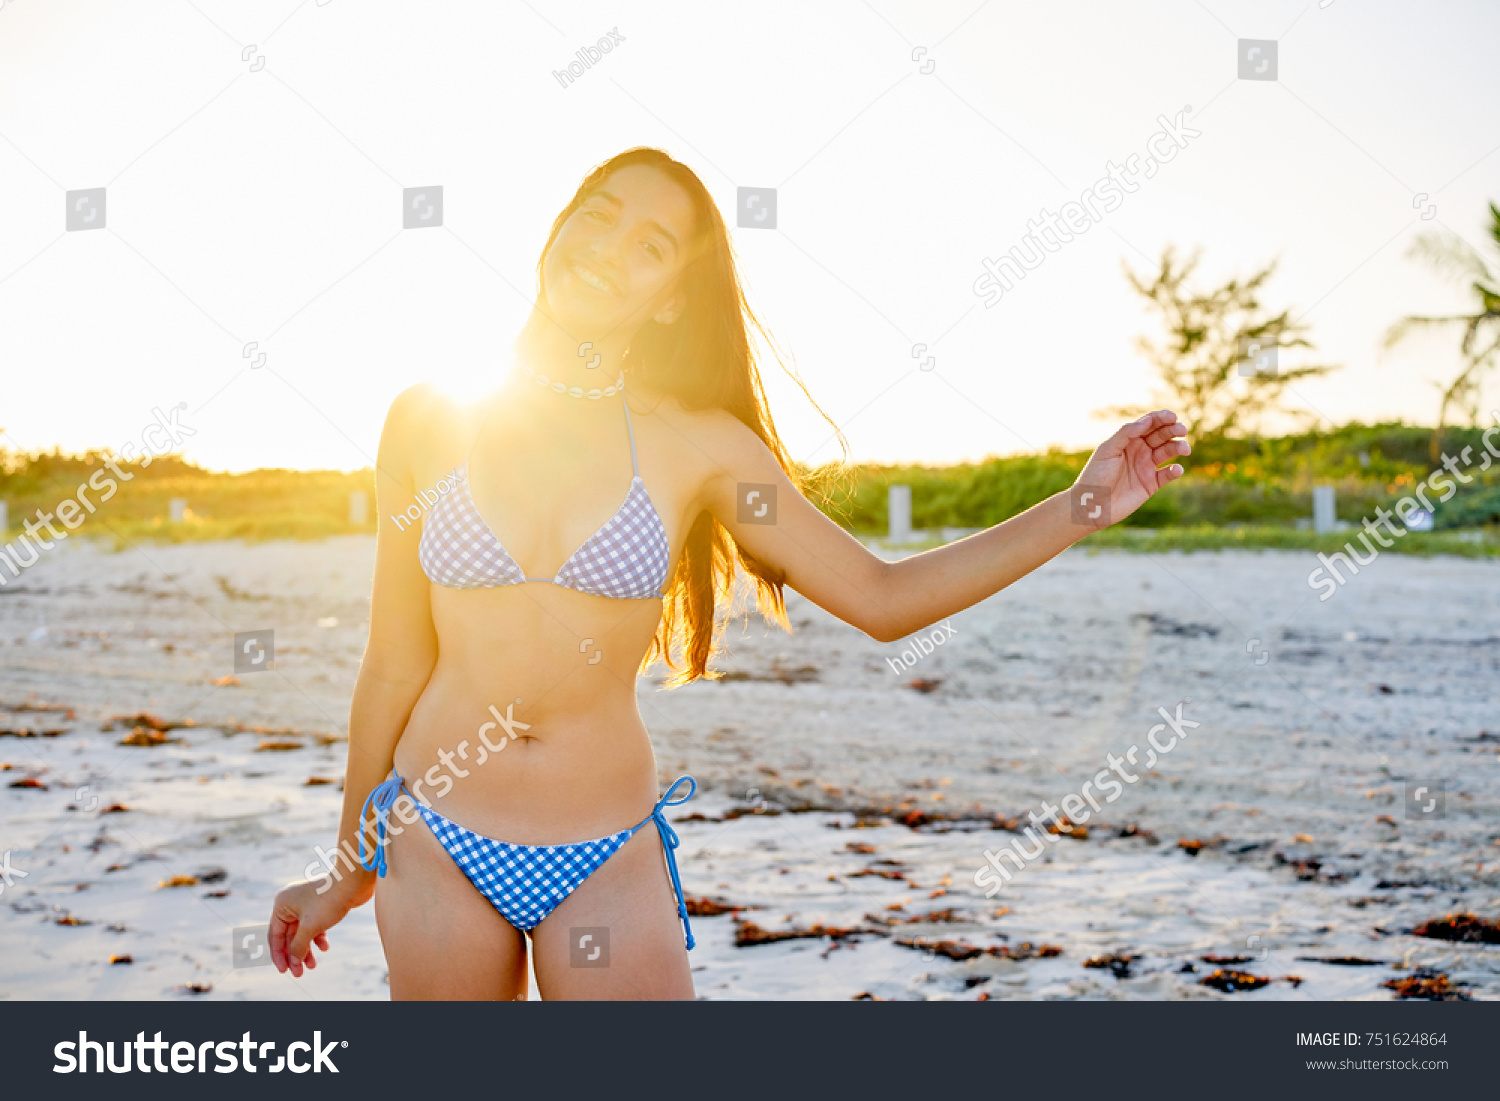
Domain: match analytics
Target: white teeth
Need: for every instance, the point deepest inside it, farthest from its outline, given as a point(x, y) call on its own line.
point(592, 280)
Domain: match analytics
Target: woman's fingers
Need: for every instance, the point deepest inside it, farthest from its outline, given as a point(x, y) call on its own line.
point(1171, 448)
point(300, 948)
point(1154, 428)
point(1170, 430)
point(293, 958)
point(321, 940)
point(1117, 444)
point(278, 933)
point(1138, 428)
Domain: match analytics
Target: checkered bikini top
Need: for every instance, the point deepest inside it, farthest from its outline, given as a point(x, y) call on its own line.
point(625, 559)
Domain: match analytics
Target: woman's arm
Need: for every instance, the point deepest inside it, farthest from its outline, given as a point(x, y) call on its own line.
point(399, 657)
point(890, 600)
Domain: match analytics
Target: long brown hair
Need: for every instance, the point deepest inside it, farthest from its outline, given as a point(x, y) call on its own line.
point(704, 360)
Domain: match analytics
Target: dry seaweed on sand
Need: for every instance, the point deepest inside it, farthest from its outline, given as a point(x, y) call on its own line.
point(747, 933)
point(1427, 984)
point(708, 907)
point(283, 733)
point(1232, 982)
point(802, 674)
point(1194, 845)
point(913, 818)
point(741, 812)
point(1463, 927)
point(883, 873)
point(148, 720)
point(1308, 869)
point(961, 950)
point(1063, 826)
point(147, 736)
point(58, 708)
point(935, 916)
point(1118, 962)
point(1342, 961)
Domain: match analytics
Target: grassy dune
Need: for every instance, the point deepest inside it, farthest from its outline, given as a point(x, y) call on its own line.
point(1237, 493)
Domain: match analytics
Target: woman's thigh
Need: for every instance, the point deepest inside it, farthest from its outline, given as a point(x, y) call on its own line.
point(442, 938)
point(628, 909)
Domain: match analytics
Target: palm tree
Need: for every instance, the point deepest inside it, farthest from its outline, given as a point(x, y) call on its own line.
point(1206, 332)
point(1480, 345)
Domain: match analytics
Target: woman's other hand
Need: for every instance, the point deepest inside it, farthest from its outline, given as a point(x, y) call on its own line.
point(301, 916)
point(1122, 472)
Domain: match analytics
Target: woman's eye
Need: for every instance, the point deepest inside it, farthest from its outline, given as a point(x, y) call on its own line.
point(656, 252)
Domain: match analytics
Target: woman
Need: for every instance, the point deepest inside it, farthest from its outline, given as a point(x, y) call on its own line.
point(500, 779)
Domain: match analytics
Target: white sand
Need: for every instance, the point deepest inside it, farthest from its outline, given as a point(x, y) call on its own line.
point(1037, 686)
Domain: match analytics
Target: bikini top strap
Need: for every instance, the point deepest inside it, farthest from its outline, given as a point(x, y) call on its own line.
point(635, 467)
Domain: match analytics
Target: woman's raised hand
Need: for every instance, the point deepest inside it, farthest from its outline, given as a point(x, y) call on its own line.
point(1122, 472)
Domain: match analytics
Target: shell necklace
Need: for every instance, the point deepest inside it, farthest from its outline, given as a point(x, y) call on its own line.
point(573, 391)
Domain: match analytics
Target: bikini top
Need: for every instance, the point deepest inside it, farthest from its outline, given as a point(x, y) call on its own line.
point(625, 559)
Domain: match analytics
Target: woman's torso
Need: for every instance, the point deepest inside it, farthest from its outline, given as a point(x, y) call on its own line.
point(544, 477)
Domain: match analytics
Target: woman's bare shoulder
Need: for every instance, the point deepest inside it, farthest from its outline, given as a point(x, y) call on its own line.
point(425, 412)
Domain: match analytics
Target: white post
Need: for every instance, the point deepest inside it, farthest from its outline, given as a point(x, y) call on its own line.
point(176, 509)
point(1325, 517)
point(4, 517)
point(358, 507)
point(899, 507)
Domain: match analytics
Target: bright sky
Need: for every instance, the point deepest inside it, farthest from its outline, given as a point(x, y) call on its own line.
point(255, 154)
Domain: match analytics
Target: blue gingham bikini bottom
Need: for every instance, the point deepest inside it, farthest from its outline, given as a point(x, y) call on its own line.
point(524, 882)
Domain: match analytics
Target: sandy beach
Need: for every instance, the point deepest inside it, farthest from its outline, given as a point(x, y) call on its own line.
point(839, 799)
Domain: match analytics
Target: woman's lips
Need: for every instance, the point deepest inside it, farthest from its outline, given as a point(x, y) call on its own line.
point(592, 279)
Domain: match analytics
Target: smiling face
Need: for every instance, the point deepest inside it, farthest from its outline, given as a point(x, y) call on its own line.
point(614, 263)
